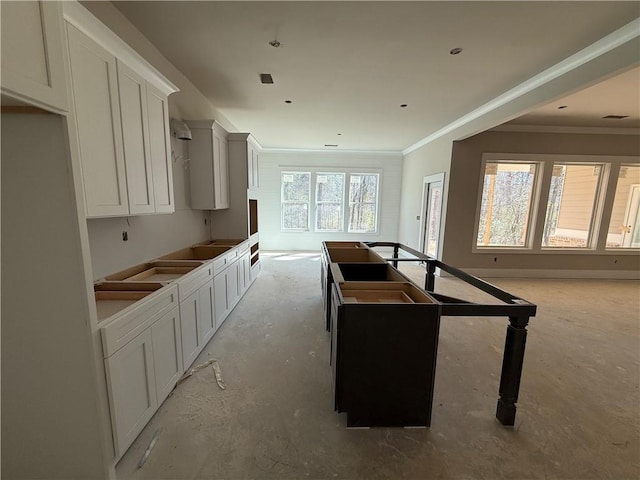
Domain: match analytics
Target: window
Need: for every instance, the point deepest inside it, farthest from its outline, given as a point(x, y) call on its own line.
point(505, 207)
point(363, 201)
point(573, 196)
point(296, 190)
point(624, 227)
point(329, 202)
point(326, 210)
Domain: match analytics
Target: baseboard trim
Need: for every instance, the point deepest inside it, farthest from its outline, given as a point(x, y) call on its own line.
point(543, 273)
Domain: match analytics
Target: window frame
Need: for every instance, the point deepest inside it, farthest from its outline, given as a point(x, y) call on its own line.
point(534, 203)
point(283, 202)
point(314, 171)
point(601, 216)
point(597, 206)
point(376, 203)
point(317, 202)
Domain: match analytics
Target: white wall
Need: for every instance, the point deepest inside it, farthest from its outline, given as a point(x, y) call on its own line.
point(52, 417)
point(273, 163)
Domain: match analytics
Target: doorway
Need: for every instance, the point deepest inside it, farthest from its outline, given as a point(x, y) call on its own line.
point(431, 217)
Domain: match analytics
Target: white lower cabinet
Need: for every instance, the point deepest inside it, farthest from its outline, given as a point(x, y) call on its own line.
point(167, 353)
point(132, 386)
point(233, 287)
point(197, 322)
point(221, 308)
point(245, 271)
point(207, 309)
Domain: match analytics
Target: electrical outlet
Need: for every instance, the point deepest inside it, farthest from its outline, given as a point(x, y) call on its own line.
point(125, 236)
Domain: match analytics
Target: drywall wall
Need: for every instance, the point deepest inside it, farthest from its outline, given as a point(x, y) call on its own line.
point(152, 235)
point(52, 426)
point(433, 158)
point(149, 236)
point(273, 163)
point(464, 185)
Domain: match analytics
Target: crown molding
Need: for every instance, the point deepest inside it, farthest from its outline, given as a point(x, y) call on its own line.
point(566, 129)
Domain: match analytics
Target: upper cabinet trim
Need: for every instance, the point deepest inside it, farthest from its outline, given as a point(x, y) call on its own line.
point(87, 23)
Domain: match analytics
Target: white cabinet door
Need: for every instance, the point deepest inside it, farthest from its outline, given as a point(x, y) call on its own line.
point(97, 119)
point(189, 329)
point(167, 353)
point(246, 271)
point(135, 134)
point(207, 312)
point(209, 165)
point(233, 286)
point(32, 62)
point(220, 294)
point(132, 387)
point(160, 150)
point(223, 180)
point(253, 180)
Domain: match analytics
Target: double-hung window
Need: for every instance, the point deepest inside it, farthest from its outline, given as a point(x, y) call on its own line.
point(329, 202)
point(296, 192)
point(334, 192)
point(363, 203)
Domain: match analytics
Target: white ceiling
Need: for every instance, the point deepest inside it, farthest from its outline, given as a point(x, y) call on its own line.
point(348, 66)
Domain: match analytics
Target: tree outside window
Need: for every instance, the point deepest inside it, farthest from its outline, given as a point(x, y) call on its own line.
point(296, 188)
point(329, 202)
point(505, 207)
point(363, 200)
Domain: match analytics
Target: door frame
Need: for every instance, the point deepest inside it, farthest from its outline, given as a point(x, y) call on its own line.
point(424, 204)
point(627, 237)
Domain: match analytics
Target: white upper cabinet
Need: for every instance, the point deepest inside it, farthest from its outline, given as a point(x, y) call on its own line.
point(94, 82)
point(209, 166)
point(246, 153)
point(160, 149)
point(32, 59)
point(120, 121)
point(135, 135)
point(253, 153)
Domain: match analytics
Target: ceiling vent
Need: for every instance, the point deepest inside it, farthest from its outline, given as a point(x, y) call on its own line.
point(266, 78)
point(615, 117)
point(330, 145)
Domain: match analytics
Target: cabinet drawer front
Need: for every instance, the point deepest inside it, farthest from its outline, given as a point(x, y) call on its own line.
point(122, 329)
point(192, 281)
point(219, 264)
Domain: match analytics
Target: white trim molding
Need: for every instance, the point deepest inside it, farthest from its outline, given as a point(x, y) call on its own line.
point(565, 129)
point(552, 273)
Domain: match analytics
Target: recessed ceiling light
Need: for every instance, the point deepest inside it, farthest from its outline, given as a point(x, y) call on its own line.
point(562, 106)
point(403, 105)
point(266, 78)
point(288, 101)
point(455, 51)
point(275, 43)
point(615, 117)
point(339, 134)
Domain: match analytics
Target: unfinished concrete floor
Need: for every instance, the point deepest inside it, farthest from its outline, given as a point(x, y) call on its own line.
point(578, 414)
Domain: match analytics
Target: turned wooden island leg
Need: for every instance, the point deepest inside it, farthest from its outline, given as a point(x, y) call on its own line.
point(511, 369)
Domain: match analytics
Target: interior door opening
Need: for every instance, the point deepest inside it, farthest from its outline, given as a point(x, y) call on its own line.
point(431, 214)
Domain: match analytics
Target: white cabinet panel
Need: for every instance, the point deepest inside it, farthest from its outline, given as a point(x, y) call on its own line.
point(132, 387)
point(189, 329)
point(233, 287)
point(97, 120)
point(220, 294)
point(32, 62)
point(207, 311)
point(209, 166)
point(133, 110)
point(160, 150)
point(167, 353)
